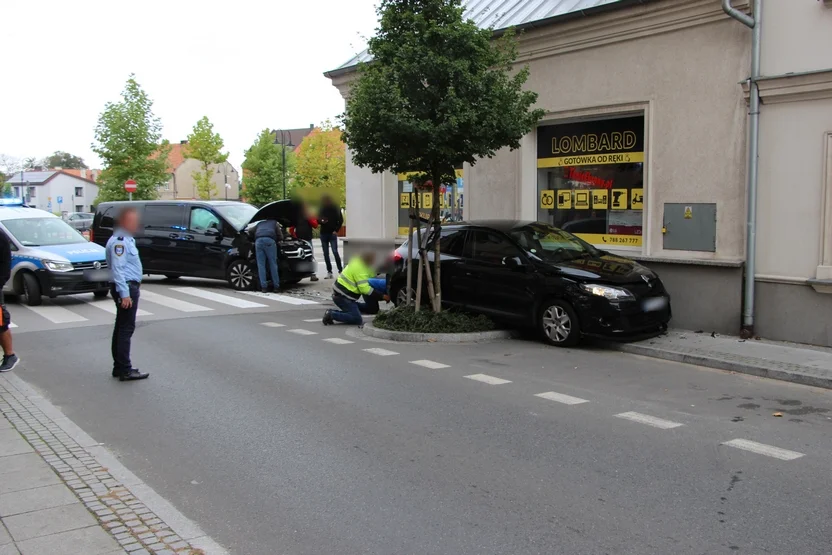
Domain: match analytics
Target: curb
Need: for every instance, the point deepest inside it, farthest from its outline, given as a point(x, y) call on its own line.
point(761, 368)
point(416, 337)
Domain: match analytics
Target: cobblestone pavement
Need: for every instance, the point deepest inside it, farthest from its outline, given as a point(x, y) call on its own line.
point(56, 496)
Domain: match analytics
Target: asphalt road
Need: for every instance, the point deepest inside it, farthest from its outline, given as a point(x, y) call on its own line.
point(281, 443)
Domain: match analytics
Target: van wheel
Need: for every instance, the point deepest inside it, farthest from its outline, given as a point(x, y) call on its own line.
point(31, 290)
point(559, 324)
point(101, 293)
point(240, 275)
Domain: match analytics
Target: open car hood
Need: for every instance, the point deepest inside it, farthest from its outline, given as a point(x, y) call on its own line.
point(284, 211)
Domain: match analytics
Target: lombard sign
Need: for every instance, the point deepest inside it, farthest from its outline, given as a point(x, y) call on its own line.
point(591, 143)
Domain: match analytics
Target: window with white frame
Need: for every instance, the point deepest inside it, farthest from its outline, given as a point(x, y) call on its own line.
point(79, 191)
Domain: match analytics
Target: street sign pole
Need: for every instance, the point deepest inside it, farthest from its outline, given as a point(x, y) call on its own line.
point(130, 196)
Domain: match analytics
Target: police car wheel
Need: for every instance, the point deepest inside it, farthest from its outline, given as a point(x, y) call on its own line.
point(241, 275)
point(101, 293)
point(31, 290)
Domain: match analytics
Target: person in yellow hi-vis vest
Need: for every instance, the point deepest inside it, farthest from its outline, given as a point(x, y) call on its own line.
point(352, 284)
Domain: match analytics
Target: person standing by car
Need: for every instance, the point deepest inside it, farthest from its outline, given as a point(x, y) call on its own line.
point(331, 221)
point(126, 267)
point(266, 236)
point(303, 229)
point(351, 285)
point(10, 360)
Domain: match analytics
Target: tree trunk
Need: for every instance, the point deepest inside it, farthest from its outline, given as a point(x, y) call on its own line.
point(437, 272)
point(424, 261)
point(409, 261)
point(419, 272)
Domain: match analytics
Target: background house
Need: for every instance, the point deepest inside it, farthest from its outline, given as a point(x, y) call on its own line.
point(56, 190)
point(181, 182)
point(293, 137)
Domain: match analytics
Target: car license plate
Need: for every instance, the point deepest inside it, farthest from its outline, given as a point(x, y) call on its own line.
point(654, 304)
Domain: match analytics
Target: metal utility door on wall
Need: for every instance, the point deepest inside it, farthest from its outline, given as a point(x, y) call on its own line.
point(689, 227)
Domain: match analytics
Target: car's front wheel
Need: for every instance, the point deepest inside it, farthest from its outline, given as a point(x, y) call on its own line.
point(101, 293)
point(240, 275)
point(559, 324)
point(31, 290)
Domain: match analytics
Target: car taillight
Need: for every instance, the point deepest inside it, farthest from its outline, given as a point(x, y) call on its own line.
point(397, 257)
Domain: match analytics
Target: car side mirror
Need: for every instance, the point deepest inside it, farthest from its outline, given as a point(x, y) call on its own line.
point(212, 231)
point(512, 262)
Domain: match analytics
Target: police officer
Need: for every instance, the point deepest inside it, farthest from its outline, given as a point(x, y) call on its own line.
point(126, 267)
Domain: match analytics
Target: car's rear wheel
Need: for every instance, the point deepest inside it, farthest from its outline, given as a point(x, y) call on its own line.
point(101, 293)
point(31, 290)
point(400, 298)
point(240, 275)
point(559, 324)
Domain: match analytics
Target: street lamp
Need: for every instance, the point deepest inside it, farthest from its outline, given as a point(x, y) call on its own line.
point(282, 143)
point(225, 172)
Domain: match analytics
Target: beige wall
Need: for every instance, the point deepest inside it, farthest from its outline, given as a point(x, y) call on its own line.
point(185, 181)
point(797, 36)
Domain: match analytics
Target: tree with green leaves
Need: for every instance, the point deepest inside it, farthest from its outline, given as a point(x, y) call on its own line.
point(128, 141)
point(321, 164)
point(439, 92)
point(263, 170)
point(64, 160)
point(205, 146)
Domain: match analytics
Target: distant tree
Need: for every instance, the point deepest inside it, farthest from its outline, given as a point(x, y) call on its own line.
point(128, 141)
point(440, 91)
point(321, 163)
point(263, 170)
point(206, 146)
point(65, 160)
point(9, 164)
point(33, 164)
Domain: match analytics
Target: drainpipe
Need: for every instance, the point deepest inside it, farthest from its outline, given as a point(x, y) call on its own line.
point(755, 23)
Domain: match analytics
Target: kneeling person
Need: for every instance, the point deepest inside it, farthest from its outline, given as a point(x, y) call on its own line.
point(352, 284)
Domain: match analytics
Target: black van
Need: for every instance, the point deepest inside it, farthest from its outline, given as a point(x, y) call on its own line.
point(209, 239)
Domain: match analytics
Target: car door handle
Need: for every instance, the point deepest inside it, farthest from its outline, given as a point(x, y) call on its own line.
point(174, 236)
point(188, 237)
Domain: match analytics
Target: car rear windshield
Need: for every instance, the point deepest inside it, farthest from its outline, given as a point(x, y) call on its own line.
point(552, 244)
point(238, 215)
point(41, 232)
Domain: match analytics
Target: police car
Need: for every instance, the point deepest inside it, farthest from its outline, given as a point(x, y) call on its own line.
point(49, 257)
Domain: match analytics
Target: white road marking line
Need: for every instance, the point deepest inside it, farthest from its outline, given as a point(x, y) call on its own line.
point(280, 298)
point(485, 378)
point(649, 420)
point(110, 306)
point(273, 325)
point(218, 298)
point(170, 302)
point(380, 352)
point(311, 320)
point(303, 332)
point(56, 314)
point(429, 364)
point(561, 398)
point(338, 341)
point(763, 449)
point(12, 325)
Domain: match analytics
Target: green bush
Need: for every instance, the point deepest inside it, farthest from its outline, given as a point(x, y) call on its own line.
point(405, 318)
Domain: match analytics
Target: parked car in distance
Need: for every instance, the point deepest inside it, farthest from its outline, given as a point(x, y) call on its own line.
point(208, 239)
point(530, 274)
point(81, 221)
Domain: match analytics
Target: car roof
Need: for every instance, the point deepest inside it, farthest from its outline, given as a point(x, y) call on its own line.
point(499, 225)
point(172, 201)
point(23, 212)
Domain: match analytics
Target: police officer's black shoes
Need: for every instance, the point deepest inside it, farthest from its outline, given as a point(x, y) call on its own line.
point(327, 319)
point(132, 375)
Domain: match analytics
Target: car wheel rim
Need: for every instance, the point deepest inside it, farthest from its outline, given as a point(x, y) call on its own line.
point(402, 300)
point(240, 276)
point(557, 324)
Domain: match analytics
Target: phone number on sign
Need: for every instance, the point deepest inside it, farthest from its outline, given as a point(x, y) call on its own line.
point(607, 239)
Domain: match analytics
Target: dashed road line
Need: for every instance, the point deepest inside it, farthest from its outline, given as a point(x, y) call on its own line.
point(218, 298)
point(649, 420)
point(301, 331)
point(763, 449)
point(313, 320)
point(338, 341)
point(561, 398)
point(380, 352)
point(170, 302)
point(429, 364)
point(485, 378)
point(273, 324)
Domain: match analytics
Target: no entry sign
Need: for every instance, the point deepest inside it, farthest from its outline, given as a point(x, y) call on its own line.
point(130, 186)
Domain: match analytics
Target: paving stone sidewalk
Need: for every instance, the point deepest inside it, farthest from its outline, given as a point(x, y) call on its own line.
point(791, 362)
point(56, 496)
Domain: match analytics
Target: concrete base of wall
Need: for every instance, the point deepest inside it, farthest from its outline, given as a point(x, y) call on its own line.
point(707, 298)
point(793, 312)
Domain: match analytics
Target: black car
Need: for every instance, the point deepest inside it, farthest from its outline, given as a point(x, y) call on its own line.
point(209, 239)
point(531, 274)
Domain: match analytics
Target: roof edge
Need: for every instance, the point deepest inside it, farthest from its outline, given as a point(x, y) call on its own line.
point(589, 12)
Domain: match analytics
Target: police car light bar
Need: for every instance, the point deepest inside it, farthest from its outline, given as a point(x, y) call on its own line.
point(12, 202)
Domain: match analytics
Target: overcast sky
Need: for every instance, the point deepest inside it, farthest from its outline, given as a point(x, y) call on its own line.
point(246, 64)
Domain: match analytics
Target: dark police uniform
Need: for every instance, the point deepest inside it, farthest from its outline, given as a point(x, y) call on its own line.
point(126, 268)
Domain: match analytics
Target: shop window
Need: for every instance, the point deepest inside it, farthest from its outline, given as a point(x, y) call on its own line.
point(591, 179)
point(451, 199)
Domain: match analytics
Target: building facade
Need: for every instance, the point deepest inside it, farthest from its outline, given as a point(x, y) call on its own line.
point(58, 191)
point(181, 184)
point(643, 148)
